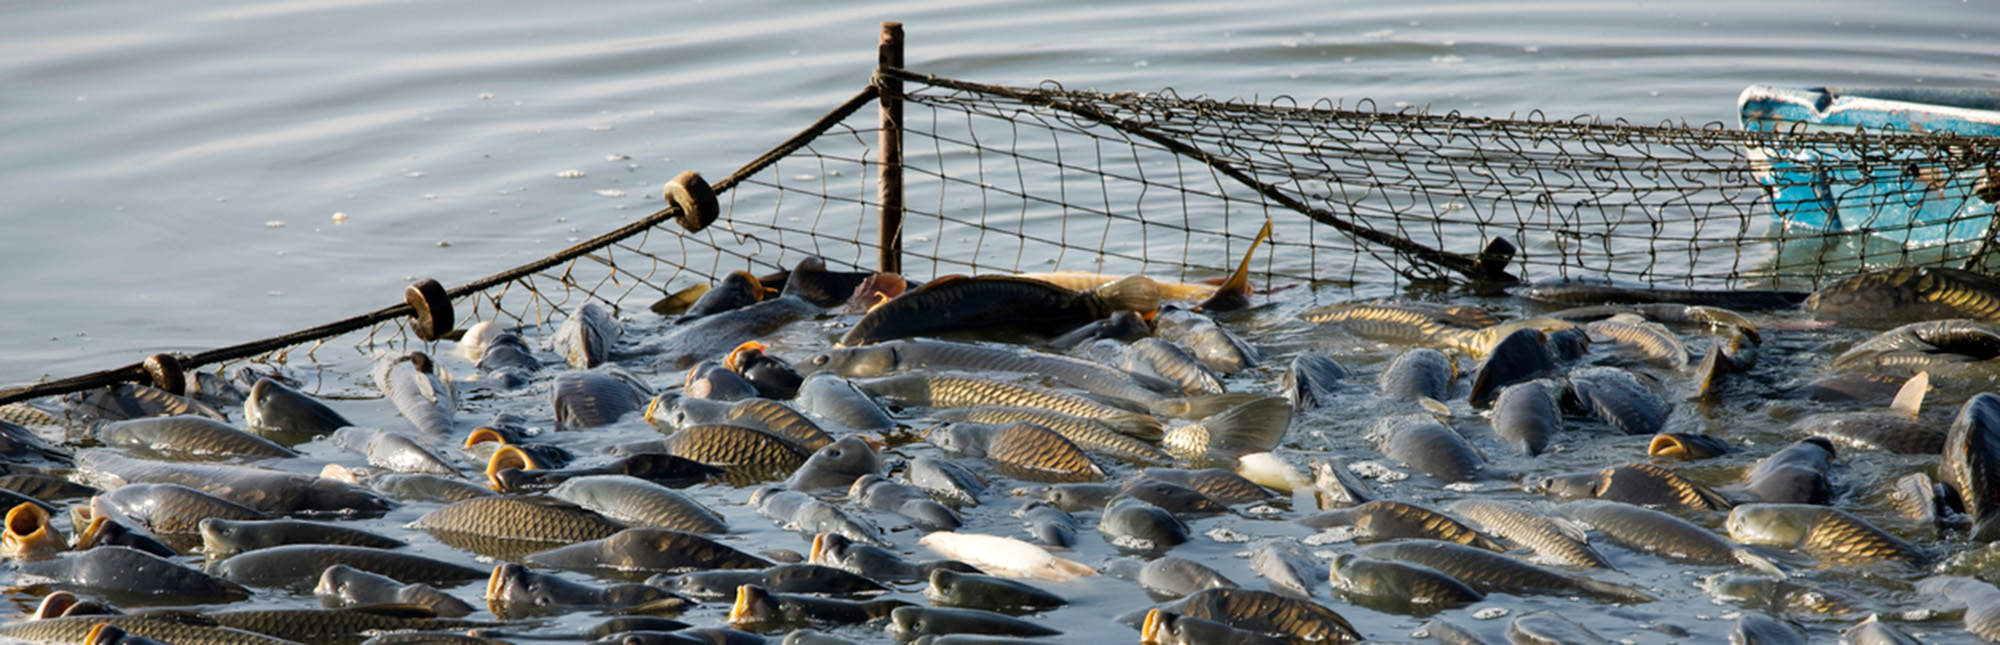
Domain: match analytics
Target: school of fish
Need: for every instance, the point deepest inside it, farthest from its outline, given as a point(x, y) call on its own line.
point(819, 456)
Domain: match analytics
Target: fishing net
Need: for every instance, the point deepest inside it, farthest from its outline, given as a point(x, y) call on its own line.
point(1013, 179)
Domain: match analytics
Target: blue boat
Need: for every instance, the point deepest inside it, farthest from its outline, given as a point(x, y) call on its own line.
point(1915, 191)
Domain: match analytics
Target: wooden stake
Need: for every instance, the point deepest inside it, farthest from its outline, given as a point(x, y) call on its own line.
point(889, 147)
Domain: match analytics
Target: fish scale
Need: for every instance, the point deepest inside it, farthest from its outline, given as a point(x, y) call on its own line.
point(1845, 539)
point(736, 446)
point(943, 391)
point(1087, 433)
point(1040, 449)
point(1532, 530)
point(75, 629)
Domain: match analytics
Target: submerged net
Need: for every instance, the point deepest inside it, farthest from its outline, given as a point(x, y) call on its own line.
point(1009, 179)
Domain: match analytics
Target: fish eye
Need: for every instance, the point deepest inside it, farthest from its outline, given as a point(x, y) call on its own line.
point(833, 452)
point(821, 359)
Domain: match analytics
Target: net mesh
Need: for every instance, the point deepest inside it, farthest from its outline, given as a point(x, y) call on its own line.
point(1012, 179)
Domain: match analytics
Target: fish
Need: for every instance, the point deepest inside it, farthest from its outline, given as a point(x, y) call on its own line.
point(45, 488)
point(711, 380)
point(651, 550)
point(514, 592)
point(1311, 381)
point(1527, 415)
point(1781, 595)
point(1491, 573)
point(1134, 525)
point(1520, 356)
point(879, 493)
point(596, 398)
point(1291, 619)
point(783, 578)
point(759, 609)
point(834, 398)
point(1759, 629)
point(1649, 531)
point(1834, 536)
point(1591, 291)
point(1336, 487)
point(1420, 442)
point(1643, 484)
point(421, 487)
point(1904, 294)
point(1540, 627)
point(1896, 430)
point(669, 412)
point(1089, 434)
point(908, 623)
point(1211, 344)
point(1222, 486)
point(811, 280)
point(269, 491)
point(736, 290)
point(635, 502)
point(773, 377)
point(946, 391)
point(958, 589)
point(317, 625)
point(104, 530)
point(170, 510)
point(1971, 463)
point(421, 390)
point(1954, 349)
point(1981, 602)
point(1121, 326)
point(1157, 360)
point(392, 451)
point(27, 535)
point(189, 437)
point(1168, 577)
point(1551, 539)
point(586, 337)
point(344, 586)
point(1290, 570)
point(1004, 556)
point(711, 337)
point(1686, 445)
point(1166, 628)
point(1872, 631)
point(1795, 474)
point(1649, 340)
point(129, 577)
point(1617, 398)
point(79, 630)
point(1049, 525)
point(837, 465)
point(745, 449)
point(510, 527)
point(133, 401)
point(1020, 449)
point(1419, 373)
point(1384, 520)
point(796, 511)
point(956, 303)
point(947, 482)
point(1400, 586)
point(508, 361)
point(292, 564)
point(928, 355)
point(836, 550)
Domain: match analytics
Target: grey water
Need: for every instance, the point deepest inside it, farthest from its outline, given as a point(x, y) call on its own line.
point(181, 176)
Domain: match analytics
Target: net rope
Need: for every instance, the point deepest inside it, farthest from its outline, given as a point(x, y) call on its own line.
point(1001, 179)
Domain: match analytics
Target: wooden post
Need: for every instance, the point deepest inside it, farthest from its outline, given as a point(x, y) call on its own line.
point(889, 146)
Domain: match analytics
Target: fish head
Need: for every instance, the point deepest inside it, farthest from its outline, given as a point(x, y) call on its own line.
point(1771, 524)
point(907, 623)
point(853, 362)
point(27, 534)
point(753, 604)
point(220, 537)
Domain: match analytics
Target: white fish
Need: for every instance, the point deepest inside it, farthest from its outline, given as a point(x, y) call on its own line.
point(1004, 556)
point(473, 344)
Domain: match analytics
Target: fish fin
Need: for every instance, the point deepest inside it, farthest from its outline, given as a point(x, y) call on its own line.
point(1134, 424)
point(1067, 568)
point(671, 606)
point(1569, 528)
point(1435, 407)
point(1760, 563)
point(939, 282)
point(1910, 398)
point(1714, 499)
point(1204, 406)
point(1257, 426)
point(1235, 292)
point(1130, 293)
point(1617, 591)
point(1267, 470)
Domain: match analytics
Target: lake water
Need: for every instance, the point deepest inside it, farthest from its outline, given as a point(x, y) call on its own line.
point(189, 175)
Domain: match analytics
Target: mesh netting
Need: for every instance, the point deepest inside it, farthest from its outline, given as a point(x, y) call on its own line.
point(1004, 179)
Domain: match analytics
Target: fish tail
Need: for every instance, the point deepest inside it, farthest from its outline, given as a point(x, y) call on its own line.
point(1130, 293)
point(1204, 406)
point(1064, 569)
point(1143, 426)
point(1235, 292)
point(1257, 426)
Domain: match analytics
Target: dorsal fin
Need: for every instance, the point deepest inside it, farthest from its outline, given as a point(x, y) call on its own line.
point(1910, 398)
point(939, 283)
point(1235, 292)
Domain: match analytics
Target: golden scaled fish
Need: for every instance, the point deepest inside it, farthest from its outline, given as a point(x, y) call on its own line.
point(956, 302)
